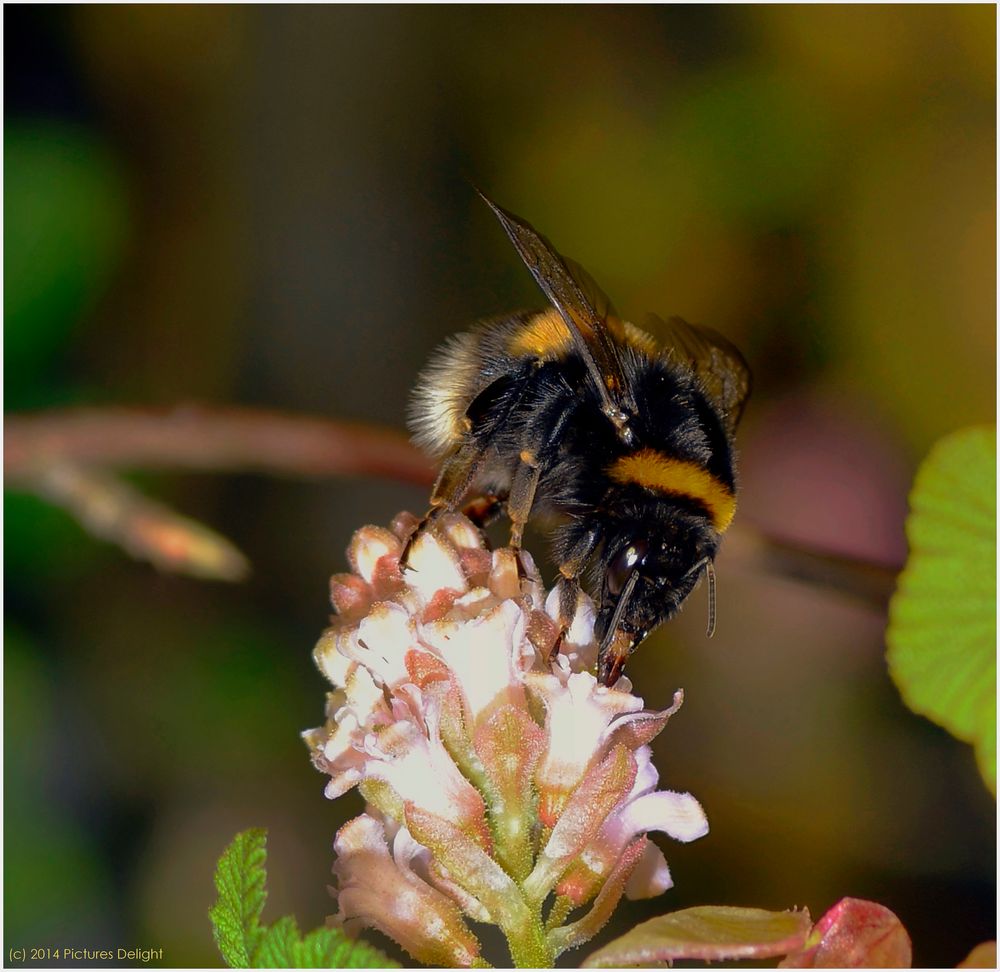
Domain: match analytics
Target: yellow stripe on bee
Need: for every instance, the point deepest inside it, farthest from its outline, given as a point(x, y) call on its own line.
point(678, 477)
point(544, 336)
point(641, 340)
point(547, 336)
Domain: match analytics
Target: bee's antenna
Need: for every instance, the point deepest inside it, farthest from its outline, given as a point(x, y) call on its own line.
point(710, 574)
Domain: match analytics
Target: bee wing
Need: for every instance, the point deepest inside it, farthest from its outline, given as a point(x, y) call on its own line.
point(597, 329)
point(722, 370)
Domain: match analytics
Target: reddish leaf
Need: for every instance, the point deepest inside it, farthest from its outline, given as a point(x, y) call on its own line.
point(855, 934)
point(708, 933)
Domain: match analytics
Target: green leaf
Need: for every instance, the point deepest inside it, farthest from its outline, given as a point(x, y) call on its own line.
point(282, 947)
point(239, 881)
point(710, 934)
point(245, 943)
point(330, 948)
point(942, 620)
point(277, 947)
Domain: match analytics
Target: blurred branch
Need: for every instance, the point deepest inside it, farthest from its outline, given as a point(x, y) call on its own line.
point(864, 580)
point(212, 439)
point(63, 456)
point(148, 530)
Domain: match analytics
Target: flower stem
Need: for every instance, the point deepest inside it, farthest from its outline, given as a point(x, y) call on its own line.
point(528, 946)
point(560, 909)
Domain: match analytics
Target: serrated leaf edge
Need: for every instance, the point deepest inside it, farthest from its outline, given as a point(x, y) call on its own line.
point(243, 941)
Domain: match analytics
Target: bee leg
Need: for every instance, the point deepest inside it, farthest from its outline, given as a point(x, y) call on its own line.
point(453, 481)
point(521, 499)
point(569, 595)
point(522, 495)
point(569, 583)
point(425, 522)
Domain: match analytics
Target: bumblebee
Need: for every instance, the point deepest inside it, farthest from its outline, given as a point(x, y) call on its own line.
point(626, 438)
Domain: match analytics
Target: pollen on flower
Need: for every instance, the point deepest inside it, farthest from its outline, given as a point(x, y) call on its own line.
point(497, 772)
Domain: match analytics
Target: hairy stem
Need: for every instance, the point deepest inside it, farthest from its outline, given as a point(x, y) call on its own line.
point(528, 946)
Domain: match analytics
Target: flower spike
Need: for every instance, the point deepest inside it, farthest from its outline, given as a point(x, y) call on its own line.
point(503, 783)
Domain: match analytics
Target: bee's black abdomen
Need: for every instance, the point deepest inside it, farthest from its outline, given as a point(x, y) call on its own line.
point(493, 407)
point(676, 418)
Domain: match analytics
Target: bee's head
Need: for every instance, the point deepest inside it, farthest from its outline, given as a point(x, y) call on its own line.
point(650, 566)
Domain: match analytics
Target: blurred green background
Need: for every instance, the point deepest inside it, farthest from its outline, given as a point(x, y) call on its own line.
point(271, 206)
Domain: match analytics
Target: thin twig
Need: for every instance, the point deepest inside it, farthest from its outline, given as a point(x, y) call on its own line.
point(65, 457)
point(860, 579)
point(114, 511)
point(214, 439)
point(39, 450)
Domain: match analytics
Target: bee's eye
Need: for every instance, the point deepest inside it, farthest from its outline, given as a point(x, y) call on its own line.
point(634, 555)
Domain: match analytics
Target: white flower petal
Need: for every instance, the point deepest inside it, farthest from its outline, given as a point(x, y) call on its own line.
point(679, 815)
point(647, 775)
point(407, 852)
point(434, 567)
point(578, 714)
point(471, 605)
point(363, 697)
point(368, 546)
point(483, 654)
point(329, 658)
point(381, 643)
point(461, 532)
point(651, 875)
point(420, 771)
point(341, 783)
